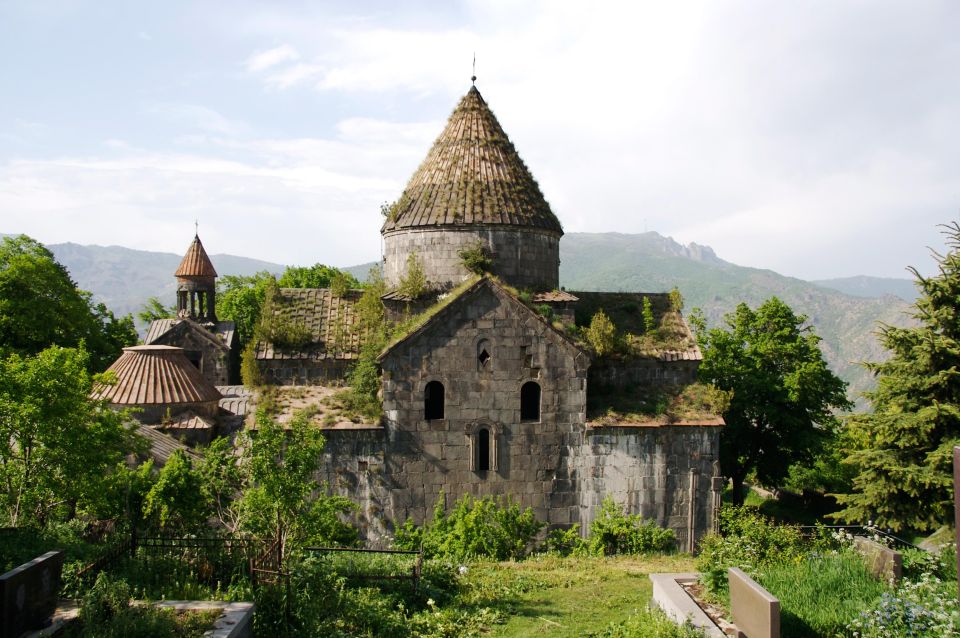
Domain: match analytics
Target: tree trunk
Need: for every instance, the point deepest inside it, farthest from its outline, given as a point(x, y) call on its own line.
point(737, 482)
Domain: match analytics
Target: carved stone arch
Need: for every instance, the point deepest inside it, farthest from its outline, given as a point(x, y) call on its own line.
point(483, 435)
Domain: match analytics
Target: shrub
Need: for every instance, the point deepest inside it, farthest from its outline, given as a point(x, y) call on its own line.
point(475, 528)
point(413, 283)
point(602, 334)
point(748, 541)
point(475, 258)
point(649, 322)
point(565, 541)
point(676, 300)
point(615, 532)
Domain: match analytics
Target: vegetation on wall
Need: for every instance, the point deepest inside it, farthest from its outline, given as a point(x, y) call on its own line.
point(602, 334)
point(413, 284)
point(476, 258)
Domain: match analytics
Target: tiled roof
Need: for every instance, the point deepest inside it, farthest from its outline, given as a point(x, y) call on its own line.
point(189, 421)
point(196, 263)
point(162, 446)
point(332, 321)
point(150, 375)
point(160, 327)
point(472, 175)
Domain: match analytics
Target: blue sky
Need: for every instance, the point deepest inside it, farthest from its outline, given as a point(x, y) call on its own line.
point(818, 139)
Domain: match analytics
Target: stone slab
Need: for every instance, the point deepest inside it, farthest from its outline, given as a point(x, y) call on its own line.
point(882, 561)
point(235, 621)
point(28, 594)
point(669, 596)
point(755, 611)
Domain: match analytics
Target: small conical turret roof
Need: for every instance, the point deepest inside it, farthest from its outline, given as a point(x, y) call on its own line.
point(472, 175)
point(149, 375)
point(196, 263)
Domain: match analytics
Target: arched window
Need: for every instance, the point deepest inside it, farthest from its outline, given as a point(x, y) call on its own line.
point(433, 401)
point(530, 401)
point(483, 445)
point(483, 450)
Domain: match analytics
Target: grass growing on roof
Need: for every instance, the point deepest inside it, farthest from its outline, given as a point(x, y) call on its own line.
point(670, 404)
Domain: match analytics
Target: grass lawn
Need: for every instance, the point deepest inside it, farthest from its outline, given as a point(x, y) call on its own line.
point(572, 597)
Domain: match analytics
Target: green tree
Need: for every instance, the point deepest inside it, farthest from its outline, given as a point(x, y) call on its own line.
point(649, 321)
point(154, 309)
point(902, 450)
point(175, 503)
point(56, 445)
point(281, 497)
point(315, 276)
point(602, 334)
point(40, 306)
point(783, 393)
point(413, 283)
point(240, 300)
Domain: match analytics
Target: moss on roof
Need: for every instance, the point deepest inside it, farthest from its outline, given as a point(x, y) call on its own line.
point(697, 403)
point(671, 340)
point(330, 324)
point(472, 175)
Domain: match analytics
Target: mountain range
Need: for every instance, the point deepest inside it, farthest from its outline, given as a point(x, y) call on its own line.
point(844, 312)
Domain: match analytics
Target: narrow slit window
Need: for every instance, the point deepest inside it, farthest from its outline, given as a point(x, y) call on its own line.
point(483, 450)
point(530, 401)
point(433, 401)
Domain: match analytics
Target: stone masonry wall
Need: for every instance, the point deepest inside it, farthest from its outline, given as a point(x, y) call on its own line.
point(303, 371)
point(524, 258)
point(353, 466)
point(422, 457)
point(649, 470)
point(643, 372)
point(214, 361)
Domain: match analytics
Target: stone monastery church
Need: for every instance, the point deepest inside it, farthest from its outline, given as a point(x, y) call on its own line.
point(494, 390)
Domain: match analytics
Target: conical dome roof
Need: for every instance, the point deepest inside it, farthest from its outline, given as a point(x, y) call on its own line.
point(472, 175)
point(196, 263)
point(148, 375)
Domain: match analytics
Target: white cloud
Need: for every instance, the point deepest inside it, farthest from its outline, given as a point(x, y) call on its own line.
point(197, 116)
point(271, 57)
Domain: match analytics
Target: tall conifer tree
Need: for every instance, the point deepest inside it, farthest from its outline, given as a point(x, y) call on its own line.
point(904, 446)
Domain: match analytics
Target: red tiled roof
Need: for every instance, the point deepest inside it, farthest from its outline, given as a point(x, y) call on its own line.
point(150, 375)
point(196, 263)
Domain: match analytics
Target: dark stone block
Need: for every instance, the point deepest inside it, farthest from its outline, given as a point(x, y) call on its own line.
point(28, 594)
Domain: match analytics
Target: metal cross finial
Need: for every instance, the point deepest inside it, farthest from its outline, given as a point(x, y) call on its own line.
point(196, 227)
point(473, 78)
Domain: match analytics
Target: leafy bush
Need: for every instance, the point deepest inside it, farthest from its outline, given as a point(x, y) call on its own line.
point(475, 258)
point(748, 541)
point(615, 532)
point(105, 612)
point(413, 283)
point(602, 334)
point(649, 321)
point(475, 528)
point(565, 542)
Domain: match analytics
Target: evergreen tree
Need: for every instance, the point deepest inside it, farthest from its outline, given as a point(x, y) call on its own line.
point(784, 394)
point(903, 449)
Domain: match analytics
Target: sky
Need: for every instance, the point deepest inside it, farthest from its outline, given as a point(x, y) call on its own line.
point(815, 138)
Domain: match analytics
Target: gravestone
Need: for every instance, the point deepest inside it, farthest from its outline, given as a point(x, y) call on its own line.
point(28, 594)
point(756, 612)
point(882, 561)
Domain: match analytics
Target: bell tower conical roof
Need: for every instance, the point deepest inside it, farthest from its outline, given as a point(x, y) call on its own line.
point(196, 263)
point(472, 175)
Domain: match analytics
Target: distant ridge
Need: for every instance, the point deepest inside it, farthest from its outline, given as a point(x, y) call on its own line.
point(844, 312)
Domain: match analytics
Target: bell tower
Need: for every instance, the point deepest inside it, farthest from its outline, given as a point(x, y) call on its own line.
point(197, 285)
